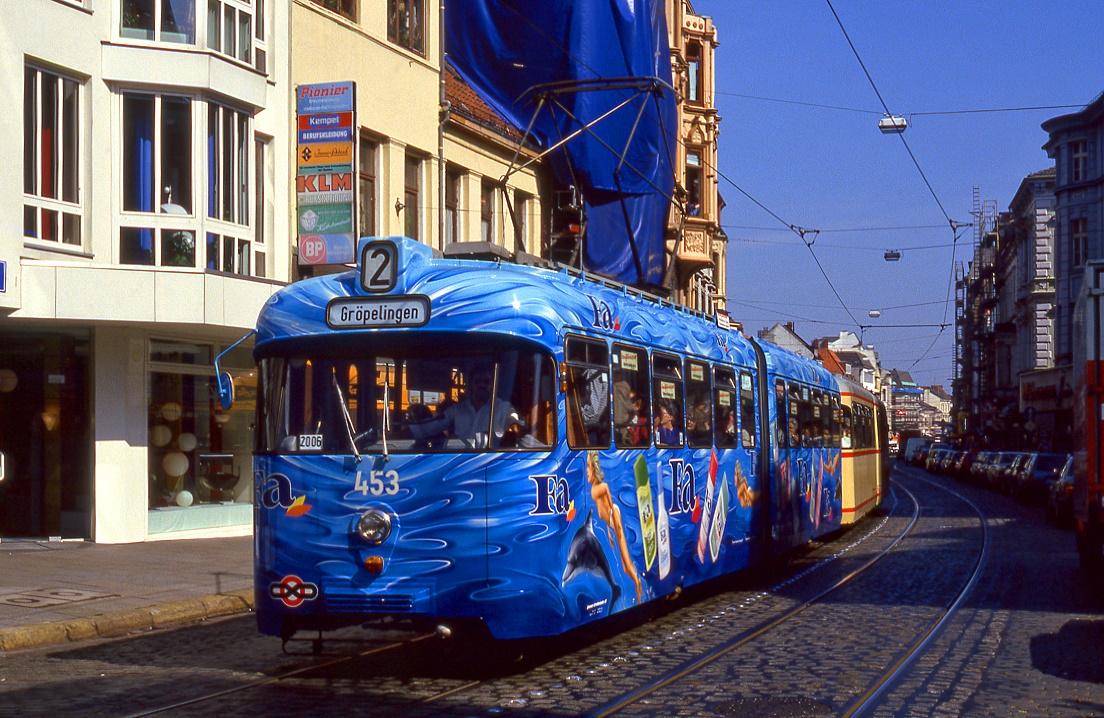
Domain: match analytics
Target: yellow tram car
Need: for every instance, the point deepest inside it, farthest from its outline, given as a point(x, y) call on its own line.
point(863, 442)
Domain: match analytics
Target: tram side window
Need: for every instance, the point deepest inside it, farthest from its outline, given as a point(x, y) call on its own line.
point(846, 427)
point(667, 390)
point(801, 406)
point(724, 401)
point(699, 405)
point(834, 421)
point(859, 438)
point(588, 393)
point(632, 406)
point(787, 423)
point(747, 410)
point(818, 429)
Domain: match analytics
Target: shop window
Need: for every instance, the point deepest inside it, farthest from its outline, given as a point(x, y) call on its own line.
point(199, 453)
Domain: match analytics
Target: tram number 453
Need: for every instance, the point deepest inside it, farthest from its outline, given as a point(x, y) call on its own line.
point(378, 483)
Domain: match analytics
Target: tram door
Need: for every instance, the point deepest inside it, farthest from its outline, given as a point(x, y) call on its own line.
point(45, 489)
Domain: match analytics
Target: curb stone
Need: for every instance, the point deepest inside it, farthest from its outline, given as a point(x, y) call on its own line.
point(117, 622)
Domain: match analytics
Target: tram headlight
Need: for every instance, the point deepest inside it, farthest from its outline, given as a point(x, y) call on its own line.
point(374, 526)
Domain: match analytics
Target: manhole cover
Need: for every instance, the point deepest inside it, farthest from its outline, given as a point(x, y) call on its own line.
point(44, 597)
point(771, 708)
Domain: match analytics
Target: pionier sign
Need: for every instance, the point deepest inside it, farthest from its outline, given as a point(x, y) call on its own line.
point(326, 177)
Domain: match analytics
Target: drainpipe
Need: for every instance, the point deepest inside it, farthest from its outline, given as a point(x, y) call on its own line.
point(443, 116)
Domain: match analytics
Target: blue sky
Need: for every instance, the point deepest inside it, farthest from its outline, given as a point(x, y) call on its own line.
point(819, 167)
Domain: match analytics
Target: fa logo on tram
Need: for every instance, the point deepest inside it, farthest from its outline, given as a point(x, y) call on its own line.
point(552, 495)
point(603, 315)
point(682, 486)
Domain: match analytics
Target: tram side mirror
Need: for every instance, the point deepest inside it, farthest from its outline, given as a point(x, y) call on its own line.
point(225, 390)
point(225, 381)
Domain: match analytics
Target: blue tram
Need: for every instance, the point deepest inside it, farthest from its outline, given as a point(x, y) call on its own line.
point(453, 439)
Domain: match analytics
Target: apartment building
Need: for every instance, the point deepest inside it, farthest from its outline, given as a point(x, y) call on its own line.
point(149, 175)
point(159, 168)
point(695, 236)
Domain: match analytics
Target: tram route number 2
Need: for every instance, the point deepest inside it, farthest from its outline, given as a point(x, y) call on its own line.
point(378, 483)
point(378, 266)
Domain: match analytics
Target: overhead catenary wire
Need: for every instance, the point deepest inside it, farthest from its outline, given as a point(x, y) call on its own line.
point(749, 240)
point(802, 232)
point(976, 111)
point(885, 107)
point(954, 226)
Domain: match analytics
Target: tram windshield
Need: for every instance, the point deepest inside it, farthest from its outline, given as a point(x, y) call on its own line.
point(413, 400)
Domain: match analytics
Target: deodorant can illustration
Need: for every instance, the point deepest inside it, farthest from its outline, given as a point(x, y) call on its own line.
point(720, 518)
point(707, 512)
point(663, 529)
point(647, 512)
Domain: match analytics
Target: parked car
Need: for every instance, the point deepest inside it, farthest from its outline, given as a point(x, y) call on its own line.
point(980, 468)
point(935, 457)
point(1008, 479)
point(1060, 496)
point(1034, 478)
point(920, 458)
point(962, 466)
point(913, 445)
point(995, 471)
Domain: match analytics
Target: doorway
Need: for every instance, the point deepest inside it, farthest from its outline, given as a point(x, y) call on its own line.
point(45, 437)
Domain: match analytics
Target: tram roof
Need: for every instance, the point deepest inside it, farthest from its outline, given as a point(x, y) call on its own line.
point(788, 364)
point(537, 303)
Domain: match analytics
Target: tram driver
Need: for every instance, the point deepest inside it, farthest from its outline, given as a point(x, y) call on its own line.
point(469, 418)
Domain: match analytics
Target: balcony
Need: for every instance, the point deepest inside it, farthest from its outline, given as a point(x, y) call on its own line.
point(694, 251)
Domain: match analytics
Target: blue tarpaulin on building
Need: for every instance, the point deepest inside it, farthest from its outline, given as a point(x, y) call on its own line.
point(511, 51)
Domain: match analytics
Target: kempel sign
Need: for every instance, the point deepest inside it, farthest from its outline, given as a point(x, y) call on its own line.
point(326, 155)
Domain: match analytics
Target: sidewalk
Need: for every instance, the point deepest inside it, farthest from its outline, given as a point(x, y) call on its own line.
point(57, 592)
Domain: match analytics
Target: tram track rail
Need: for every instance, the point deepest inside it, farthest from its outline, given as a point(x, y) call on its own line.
point(379, 652)
point(494, 691)
point(882, 682)
point(282, 676)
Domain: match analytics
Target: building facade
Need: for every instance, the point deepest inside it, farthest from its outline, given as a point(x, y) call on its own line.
point(158, 169)
point(694, 234)
point(153, 144)
point(1075, 146)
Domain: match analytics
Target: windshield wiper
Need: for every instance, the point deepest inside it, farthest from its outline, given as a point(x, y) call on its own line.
point(349, 428)
point(385, 426)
